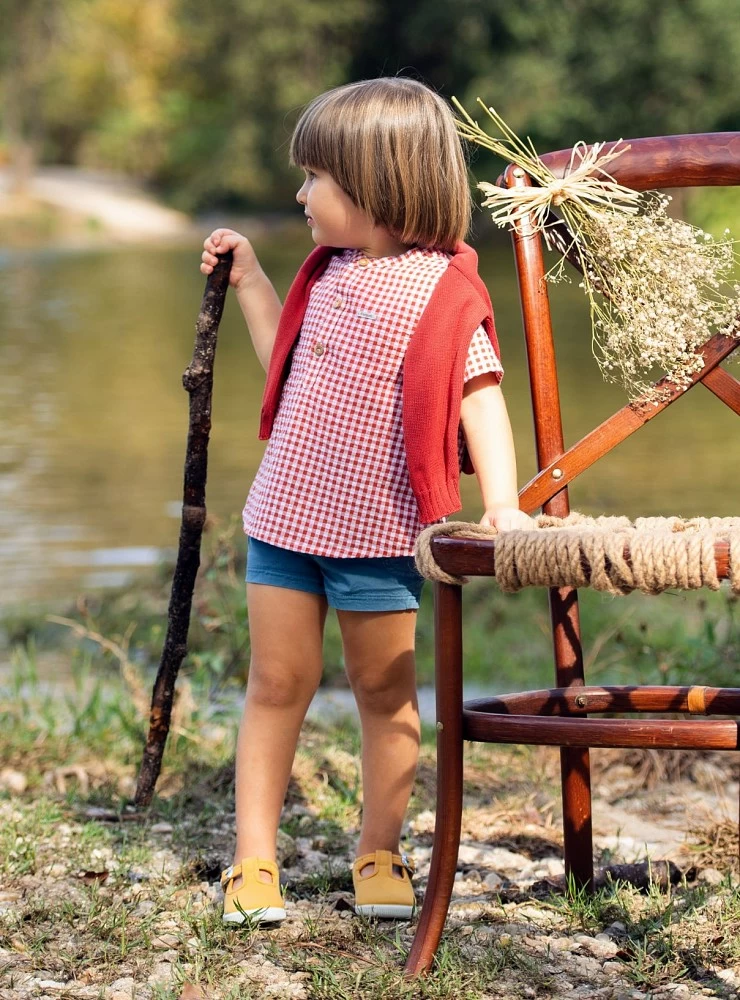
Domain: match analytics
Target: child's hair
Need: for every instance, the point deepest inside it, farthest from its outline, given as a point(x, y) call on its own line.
point(392, 146)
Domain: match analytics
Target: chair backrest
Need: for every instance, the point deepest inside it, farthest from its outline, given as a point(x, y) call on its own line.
point(661, 162)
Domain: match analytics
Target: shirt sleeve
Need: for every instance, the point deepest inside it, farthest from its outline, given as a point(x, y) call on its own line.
point(481, 357)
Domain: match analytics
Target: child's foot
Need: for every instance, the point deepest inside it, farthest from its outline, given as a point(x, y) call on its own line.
point(252, 891)
point(382, 882)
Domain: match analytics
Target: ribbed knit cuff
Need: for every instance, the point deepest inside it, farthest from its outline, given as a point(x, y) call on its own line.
point(438, 501)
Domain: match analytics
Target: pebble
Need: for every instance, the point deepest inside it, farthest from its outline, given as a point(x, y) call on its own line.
point(162, 828)
point(13, 781)
point(161, 974)
point(728, 976)
point(600, 947)
point(710, 876)
point(493, 881)
point(287, 849)
point(8, 899)
point(498, 858)
point(121, 989)
point(56, 870)
point(617, 929)
point(165, 941)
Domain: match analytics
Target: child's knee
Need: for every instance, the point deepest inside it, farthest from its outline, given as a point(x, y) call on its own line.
point(384, 690)
point(280, 687)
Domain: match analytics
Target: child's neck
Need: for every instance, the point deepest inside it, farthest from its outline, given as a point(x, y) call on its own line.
point(383, 244)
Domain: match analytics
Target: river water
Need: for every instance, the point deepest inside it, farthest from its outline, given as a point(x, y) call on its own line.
point(94, 418)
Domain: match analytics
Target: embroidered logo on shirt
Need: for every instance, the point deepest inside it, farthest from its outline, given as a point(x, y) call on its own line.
point(366, 314)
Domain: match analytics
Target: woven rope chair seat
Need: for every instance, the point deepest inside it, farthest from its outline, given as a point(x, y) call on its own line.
point(612, 554)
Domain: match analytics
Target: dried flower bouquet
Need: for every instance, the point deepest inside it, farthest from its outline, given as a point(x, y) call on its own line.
point(657, 287)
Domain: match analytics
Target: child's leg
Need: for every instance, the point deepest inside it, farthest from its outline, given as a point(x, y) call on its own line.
point(381, 667)
point(286, 630)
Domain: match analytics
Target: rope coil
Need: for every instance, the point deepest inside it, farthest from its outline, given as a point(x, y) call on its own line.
point(611, 554)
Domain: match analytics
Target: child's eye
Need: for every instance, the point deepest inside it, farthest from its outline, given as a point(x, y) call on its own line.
point(309, 173)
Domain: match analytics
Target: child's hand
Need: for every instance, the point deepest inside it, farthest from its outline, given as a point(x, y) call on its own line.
point(244, 265)
point(507, 519)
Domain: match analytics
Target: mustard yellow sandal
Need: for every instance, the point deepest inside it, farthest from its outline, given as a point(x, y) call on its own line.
point(384, 893)
point(254, 899)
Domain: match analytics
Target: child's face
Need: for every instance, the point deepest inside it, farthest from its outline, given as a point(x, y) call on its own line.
point(334, 218)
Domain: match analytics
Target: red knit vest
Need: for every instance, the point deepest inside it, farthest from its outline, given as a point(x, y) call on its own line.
point(433, 373)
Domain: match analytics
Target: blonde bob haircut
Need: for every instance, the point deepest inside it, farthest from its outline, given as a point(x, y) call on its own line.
point(392, 146)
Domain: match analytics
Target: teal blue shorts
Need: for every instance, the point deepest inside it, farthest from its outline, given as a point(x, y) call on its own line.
point(390, 583)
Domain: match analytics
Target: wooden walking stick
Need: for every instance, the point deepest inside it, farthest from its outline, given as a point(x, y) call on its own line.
point(198, 380)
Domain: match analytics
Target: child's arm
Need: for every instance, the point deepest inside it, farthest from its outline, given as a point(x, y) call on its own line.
point(257, 298)
point(488, 436)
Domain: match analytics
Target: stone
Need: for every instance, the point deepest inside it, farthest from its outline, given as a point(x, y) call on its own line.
point(498, 858)
point(163, 941)
point(161, 974)
point(493, 881)
point(287, 850)
point(13, 781)
point(121, 989)
point(162, 828)
point(710, 876)
point(616, 930)
point(599, 947)
point(728, 976)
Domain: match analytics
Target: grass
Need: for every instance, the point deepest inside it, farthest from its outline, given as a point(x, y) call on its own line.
point(135, 895)
point(136, 898)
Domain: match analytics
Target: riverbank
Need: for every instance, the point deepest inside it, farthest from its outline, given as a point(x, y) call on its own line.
point(99, 899)
point(72, 208)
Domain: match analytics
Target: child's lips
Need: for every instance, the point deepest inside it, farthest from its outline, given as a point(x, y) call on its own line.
point(309, 220)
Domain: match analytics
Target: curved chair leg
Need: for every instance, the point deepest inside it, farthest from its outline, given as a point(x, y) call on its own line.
point(448, 667)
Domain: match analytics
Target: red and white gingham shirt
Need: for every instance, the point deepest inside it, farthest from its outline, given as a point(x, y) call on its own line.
point(333, 480)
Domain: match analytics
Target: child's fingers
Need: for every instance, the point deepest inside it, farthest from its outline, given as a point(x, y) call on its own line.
point(222, 240)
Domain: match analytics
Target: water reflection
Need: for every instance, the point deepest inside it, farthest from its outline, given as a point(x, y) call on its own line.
point(94, 417)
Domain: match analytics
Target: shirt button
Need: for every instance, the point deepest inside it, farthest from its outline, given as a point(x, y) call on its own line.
point(338, 302)
point(318, 350)
point(363, 262)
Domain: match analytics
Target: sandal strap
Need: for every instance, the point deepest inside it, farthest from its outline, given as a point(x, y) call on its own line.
point(402, 860)
point(233, 871)
point(405, 862)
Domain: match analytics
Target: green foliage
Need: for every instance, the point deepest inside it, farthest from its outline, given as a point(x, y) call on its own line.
point(203, 106)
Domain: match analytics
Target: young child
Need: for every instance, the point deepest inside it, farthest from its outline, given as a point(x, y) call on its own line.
point(382, 380)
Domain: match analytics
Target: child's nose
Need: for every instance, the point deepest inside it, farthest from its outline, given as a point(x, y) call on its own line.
point(301, 194)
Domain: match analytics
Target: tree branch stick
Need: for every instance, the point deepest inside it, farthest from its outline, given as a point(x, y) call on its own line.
point(198, 380)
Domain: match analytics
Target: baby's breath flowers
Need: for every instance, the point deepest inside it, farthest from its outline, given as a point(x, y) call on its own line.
point(657, 287)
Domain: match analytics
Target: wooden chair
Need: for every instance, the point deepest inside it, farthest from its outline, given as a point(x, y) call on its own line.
point(558, 716)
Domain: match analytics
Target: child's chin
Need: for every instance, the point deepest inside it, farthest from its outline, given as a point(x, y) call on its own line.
point(322, 241)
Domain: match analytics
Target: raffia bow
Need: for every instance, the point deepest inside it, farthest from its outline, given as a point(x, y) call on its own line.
point(585, 183)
